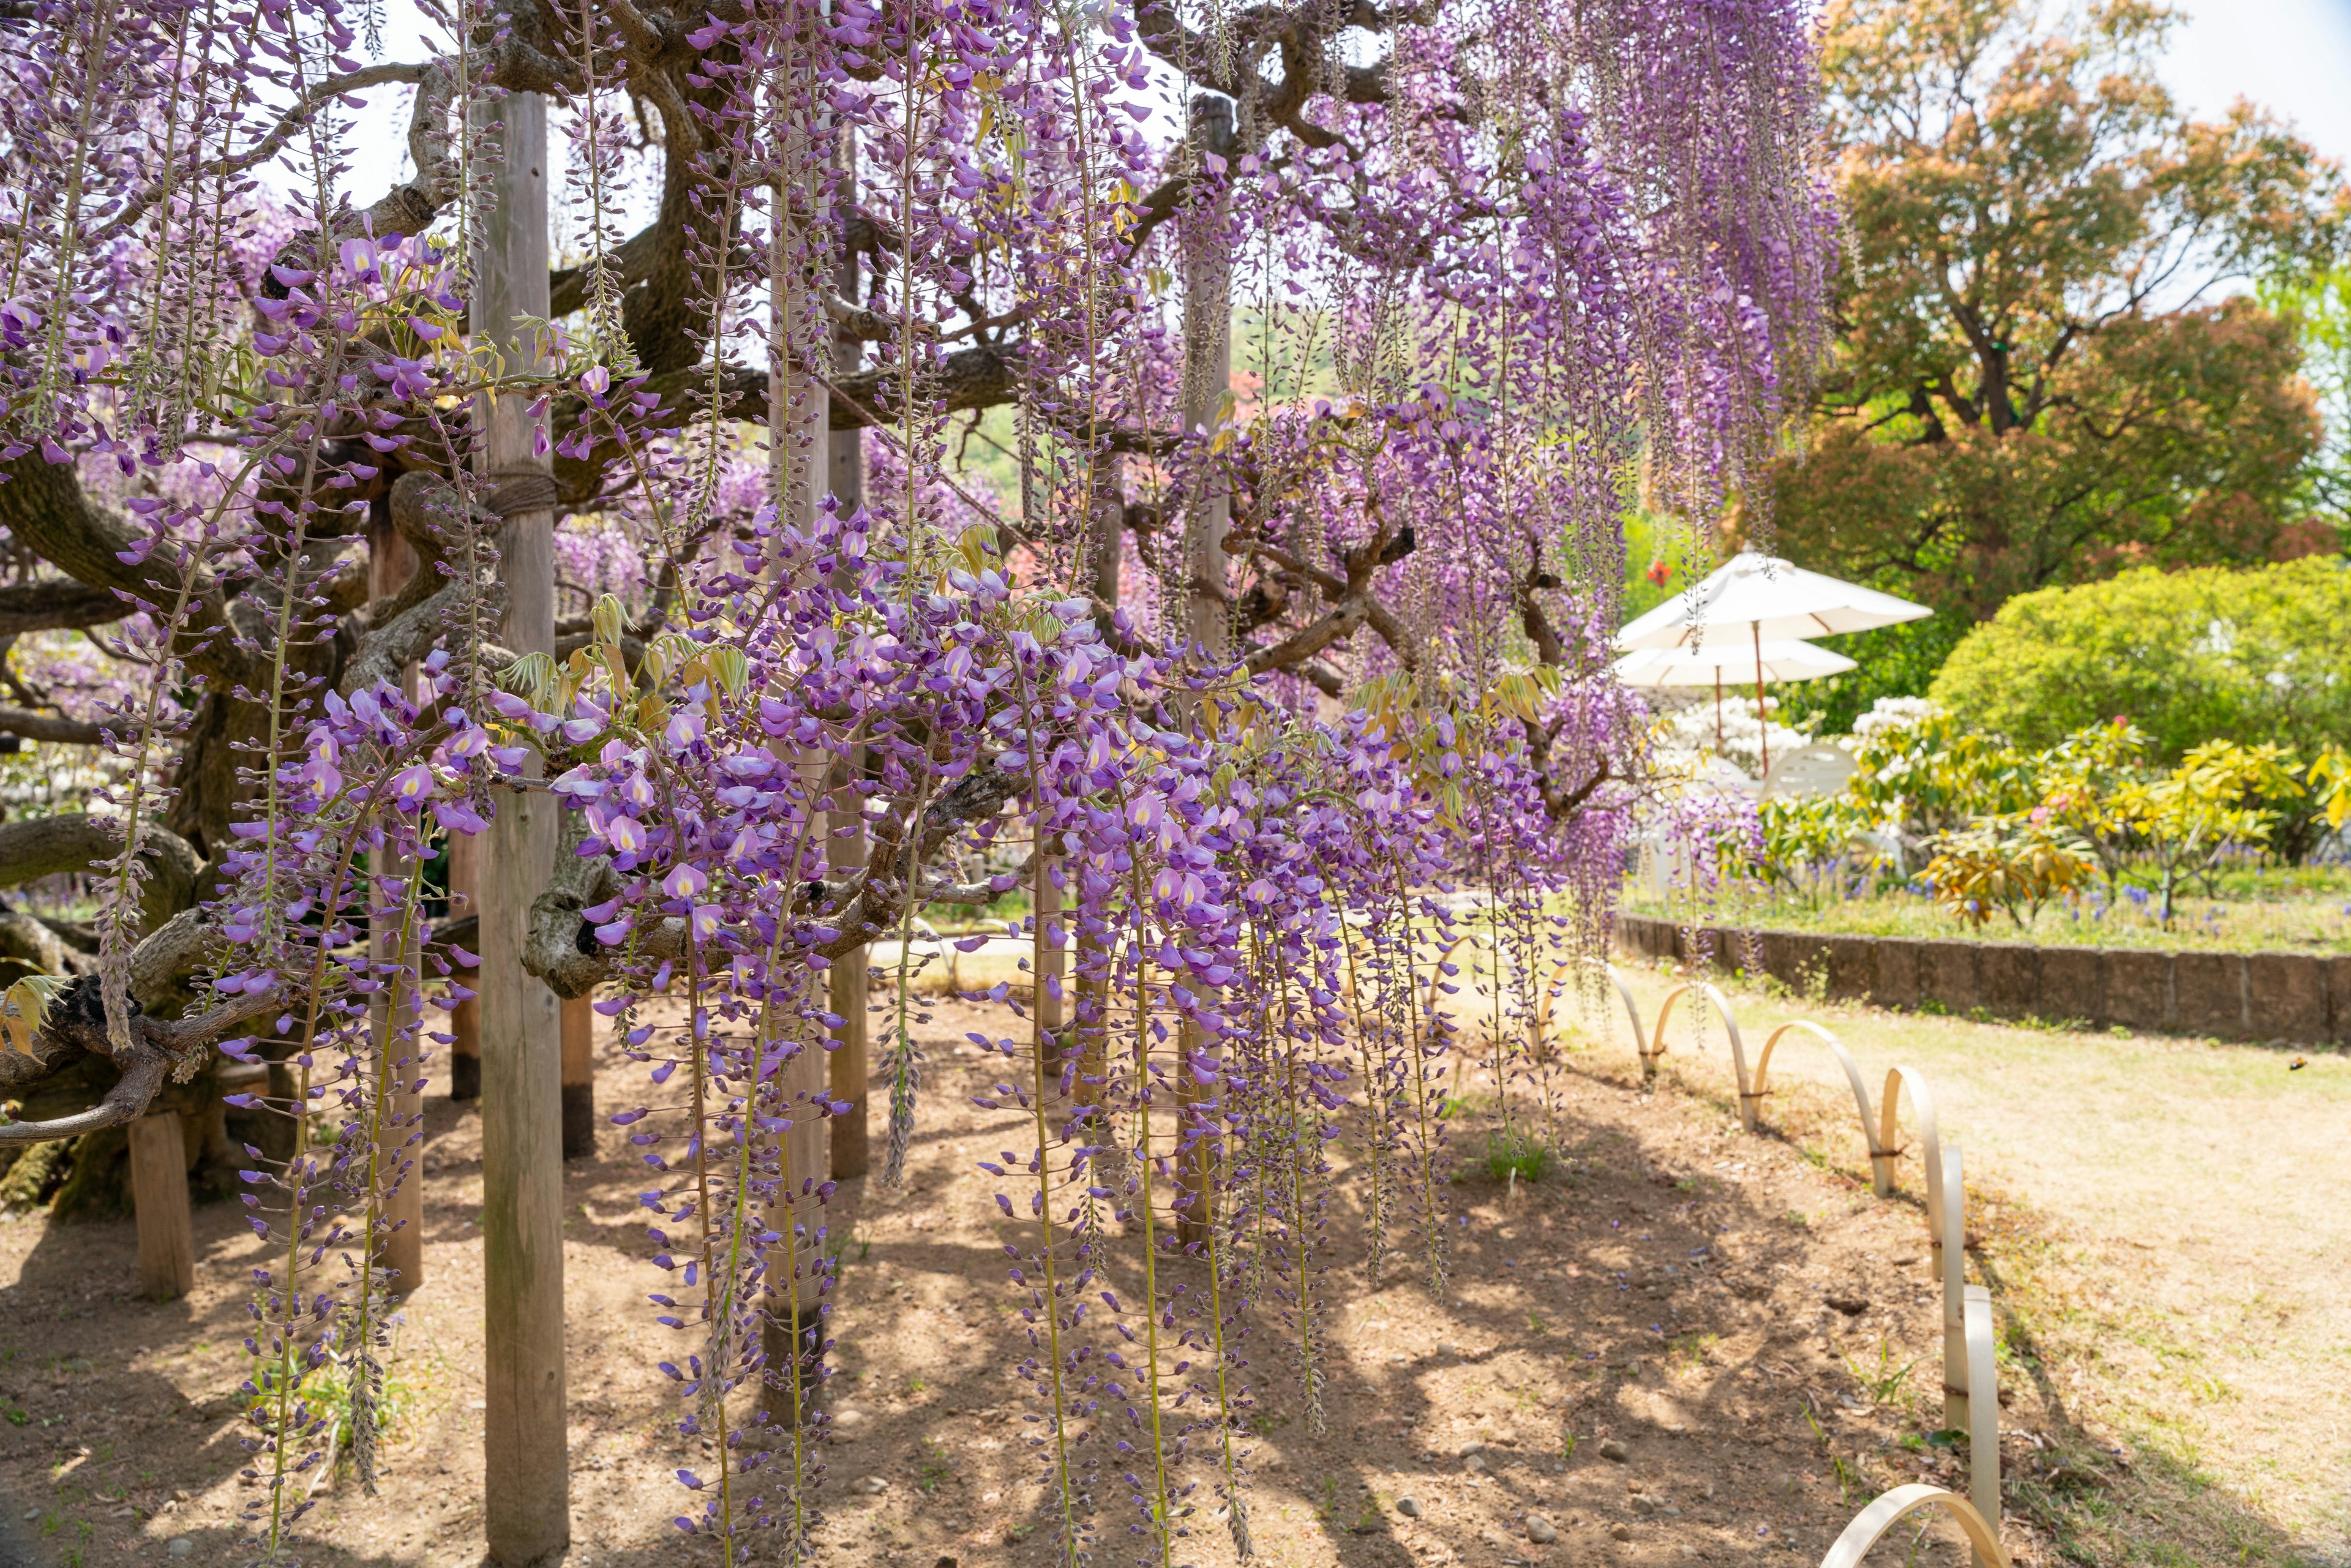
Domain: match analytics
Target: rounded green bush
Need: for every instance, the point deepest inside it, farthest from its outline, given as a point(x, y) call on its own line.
point(2249, 655)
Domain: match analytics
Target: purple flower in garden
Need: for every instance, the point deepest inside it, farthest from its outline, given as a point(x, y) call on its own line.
point(411, 786)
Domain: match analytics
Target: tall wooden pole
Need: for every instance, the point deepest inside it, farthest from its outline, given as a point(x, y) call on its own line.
point(1050, 957)
point(466, 1018)
point(1207, 377)
point(390, 563)
point(849, 1071)
point(1091, 1006)
point(798, 407)
point(526, 1479)
point(850, 1068)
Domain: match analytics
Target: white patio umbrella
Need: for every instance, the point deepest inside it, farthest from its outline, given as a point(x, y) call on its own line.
point(1784, 661)
point(1787, 660)
point(1758, 598)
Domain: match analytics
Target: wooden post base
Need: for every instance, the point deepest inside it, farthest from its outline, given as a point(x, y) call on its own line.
point(579, 1078)
point(158, 1189)
point(465, 1039)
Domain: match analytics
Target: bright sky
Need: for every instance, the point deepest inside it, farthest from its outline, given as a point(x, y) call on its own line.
point(2290, 57)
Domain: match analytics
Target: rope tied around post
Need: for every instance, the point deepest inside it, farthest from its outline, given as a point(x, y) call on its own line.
point(520, 491)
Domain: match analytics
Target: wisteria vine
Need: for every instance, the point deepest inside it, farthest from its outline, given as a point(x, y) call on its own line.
point(1157, 436)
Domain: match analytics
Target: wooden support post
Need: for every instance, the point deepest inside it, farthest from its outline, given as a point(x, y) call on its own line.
point(1954, 1260)
point(799, 468)
point(1090, 1027)
point(526, 1479)
point(1049, 960)
point(466, 1018)
point(1089, 1011)
point(159, 1192)
point(397, 1015)
point(1207, 380)
point(579, 1078)
point(1195, 1155)
point(850, 1069)
point(1108, 545)
point(399, 1138)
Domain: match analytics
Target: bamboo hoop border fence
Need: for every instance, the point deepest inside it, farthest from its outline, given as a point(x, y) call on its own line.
point(1970, 1365)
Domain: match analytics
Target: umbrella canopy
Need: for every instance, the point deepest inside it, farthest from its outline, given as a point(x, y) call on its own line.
point(1722, 662)
point(1763, 597)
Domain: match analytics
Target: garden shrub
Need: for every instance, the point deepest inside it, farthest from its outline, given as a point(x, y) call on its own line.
point(2185, 656)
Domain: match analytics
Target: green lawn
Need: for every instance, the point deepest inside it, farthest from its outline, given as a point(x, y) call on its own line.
point(2275, 908)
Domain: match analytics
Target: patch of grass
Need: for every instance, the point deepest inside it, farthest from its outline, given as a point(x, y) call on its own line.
point(1333, 1512)
point(1513, 1155)
point(2270, 908)
point(936, 1466)
point(1690, 1349)
point(329, 1394)
point(1884, 1382)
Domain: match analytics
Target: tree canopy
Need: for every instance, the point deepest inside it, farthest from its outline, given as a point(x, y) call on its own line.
point(2040, 373)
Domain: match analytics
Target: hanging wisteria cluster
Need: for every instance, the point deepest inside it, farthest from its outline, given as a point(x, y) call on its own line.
point(1168, 459)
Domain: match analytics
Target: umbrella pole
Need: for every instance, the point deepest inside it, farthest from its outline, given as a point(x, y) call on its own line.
point(1718, 710)
point(1762, 724)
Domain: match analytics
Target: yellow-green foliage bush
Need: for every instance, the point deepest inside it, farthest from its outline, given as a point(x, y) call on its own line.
point(2185, 656)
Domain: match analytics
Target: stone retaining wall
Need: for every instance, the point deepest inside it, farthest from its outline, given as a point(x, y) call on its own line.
point(2303, 998)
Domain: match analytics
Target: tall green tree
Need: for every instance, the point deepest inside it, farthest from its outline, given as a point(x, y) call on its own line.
point(2319, 308)
point(2043, 370)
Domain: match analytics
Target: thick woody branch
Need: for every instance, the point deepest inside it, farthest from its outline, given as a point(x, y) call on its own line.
point(1537, 624)
point(563, 950)
point(631, 262)
point(410, 635)
point(45, 506)
point(77, 1025)
point(1559, 804)
point(45, 846)
point(255, 154)
point(48, 726)
point(159, 969)
point(511, 63)
point(126, 1102)
point(1310, 639)
point(55, 605)
point(1353, 605)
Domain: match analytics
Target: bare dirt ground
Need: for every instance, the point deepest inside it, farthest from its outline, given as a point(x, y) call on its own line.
point(1682, 1345)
